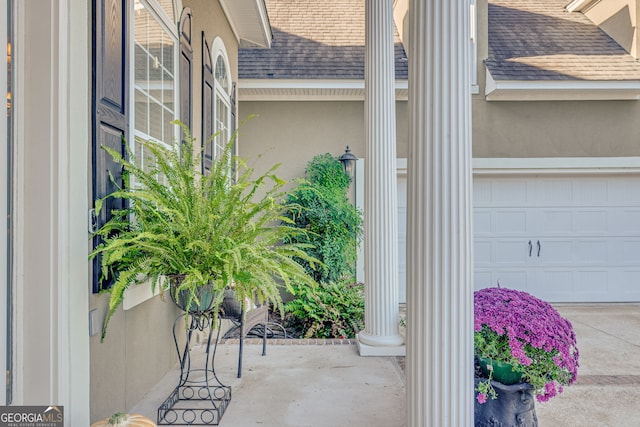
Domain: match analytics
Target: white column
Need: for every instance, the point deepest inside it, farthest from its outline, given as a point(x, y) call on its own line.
point(439, 235)
point(380, 336)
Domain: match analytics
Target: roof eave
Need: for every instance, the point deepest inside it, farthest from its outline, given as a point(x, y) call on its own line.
point(309, 90)
point(580, 5)
point(561, 90)
point(249, 21)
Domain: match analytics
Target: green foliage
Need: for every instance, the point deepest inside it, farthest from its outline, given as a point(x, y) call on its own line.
point(224, 228)
point(320, 206)
point(330, 310)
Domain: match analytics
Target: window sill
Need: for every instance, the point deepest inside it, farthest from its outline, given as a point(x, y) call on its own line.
point(137, 294)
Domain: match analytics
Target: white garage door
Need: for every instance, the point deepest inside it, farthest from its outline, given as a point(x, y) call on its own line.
point(563, 239)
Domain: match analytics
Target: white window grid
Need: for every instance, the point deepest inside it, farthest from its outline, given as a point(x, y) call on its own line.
point(154, 104)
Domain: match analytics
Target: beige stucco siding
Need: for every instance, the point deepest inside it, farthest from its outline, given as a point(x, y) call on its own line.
point(292, 133)
point(556, 129)
point(136, 354)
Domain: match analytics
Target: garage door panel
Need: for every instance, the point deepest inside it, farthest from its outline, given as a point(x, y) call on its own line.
point(552, 252)
point(551, 221)
point(509, 192)
point(482, 279)
point(481, 193)
point(627, 251)
point(482, 252)
point(626, 220)
point(590, 221)
point(624, 191)
point(509, 222)
point(592, 282)
point(482, 222)
point(628, 285)
point(509, 252)
point(553, 285)
point(590, 191)
point(549, 192)
point(513, 279)
point(591, 252)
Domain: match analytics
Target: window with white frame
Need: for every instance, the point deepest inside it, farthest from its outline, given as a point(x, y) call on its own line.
point(222, 103)
point(155, 75)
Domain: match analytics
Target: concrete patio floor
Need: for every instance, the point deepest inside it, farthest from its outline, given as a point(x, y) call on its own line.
point(330, 385)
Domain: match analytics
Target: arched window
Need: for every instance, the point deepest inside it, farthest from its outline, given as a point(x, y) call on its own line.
point(222, 94)
point(155, 74)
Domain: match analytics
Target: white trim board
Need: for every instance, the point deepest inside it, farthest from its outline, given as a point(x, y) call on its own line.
point(547, 165)
point(560, 90)
point(309, 90)
point(556, 165)
point(249, 22)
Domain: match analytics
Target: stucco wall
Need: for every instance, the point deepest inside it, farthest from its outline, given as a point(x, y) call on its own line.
point(556, 129)
point(139, 350)
point(292, 133)
point(136, 353)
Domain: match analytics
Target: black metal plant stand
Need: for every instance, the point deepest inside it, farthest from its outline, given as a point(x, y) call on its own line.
point(200, 397)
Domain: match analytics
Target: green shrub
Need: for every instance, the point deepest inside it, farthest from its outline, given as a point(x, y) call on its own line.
point(330, 310)
point(320, 206)
point(333, 224)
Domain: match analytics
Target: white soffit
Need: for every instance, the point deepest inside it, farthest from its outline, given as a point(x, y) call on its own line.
point(309, 90)
point(249, 21)
point(560, 90)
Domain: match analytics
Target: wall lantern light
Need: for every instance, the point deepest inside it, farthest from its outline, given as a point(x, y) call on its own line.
point(348, 160)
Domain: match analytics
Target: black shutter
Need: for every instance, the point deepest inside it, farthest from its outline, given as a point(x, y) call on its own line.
point(186, 56)
point(234, 120)
point(109, 104)
point(208, 98)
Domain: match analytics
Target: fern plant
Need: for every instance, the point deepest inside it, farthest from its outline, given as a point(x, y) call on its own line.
point(329, 310)
point(224, 228)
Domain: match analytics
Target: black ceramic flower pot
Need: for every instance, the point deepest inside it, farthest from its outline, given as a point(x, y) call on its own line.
point(231, 308)
point(206, 295)
point(514, 407)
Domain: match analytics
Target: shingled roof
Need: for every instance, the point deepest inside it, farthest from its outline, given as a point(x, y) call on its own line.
point(321, 39)
point(539, 40)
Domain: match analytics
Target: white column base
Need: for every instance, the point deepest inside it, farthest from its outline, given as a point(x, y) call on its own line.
point(384, 346)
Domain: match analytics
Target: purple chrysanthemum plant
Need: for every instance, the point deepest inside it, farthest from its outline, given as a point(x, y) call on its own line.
point(515, 327)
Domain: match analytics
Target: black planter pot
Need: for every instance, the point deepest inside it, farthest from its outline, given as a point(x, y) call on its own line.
point(231, 308)
point(206, 297)
point(514, 407)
